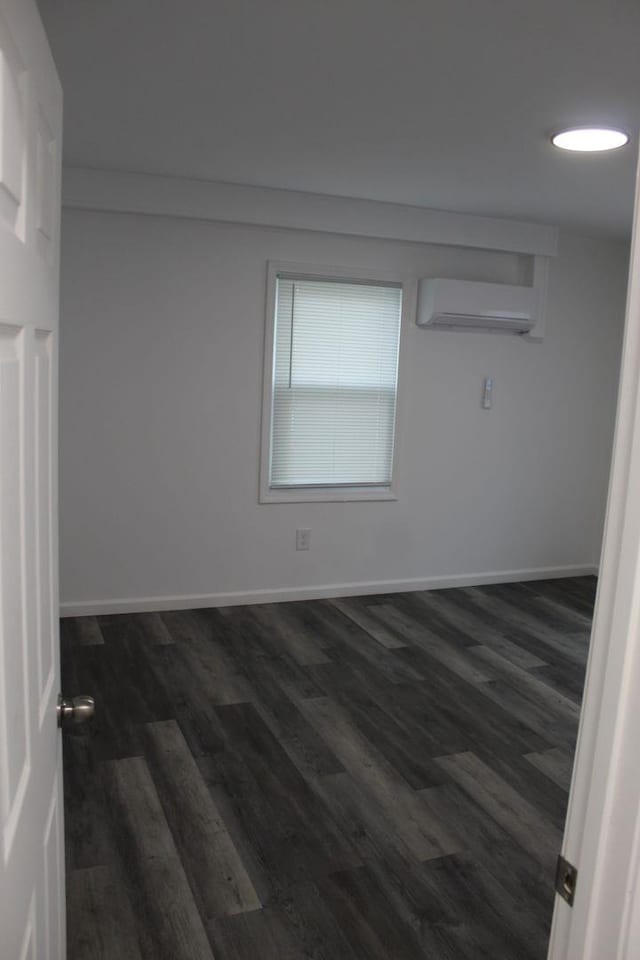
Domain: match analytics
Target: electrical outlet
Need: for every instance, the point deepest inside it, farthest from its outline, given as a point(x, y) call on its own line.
point(303, 539)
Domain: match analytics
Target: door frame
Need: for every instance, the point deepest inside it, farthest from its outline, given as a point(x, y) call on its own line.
point(602, 833)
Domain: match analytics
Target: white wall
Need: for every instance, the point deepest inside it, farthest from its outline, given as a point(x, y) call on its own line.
point(160, 375)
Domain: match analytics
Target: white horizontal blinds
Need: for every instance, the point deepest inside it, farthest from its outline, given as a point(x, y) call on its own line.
point(334, 382)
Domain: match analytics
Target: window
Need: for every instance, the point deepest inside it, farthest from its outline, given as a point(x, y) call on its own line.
point(331, 400)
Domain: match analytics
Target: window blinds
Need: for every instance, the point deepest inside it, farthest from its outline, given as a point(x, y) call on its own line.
point(335, 376)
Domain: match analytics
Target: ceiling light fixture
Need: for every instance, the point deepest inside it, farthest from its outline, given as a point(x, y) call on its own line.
point(590, 139)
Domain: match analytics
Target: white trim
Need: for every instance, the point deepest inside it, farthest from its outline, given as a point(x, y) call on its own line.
point(123, 192)
point(328, 494)
point(602, 833)
point(83, 608)
point(325, 494)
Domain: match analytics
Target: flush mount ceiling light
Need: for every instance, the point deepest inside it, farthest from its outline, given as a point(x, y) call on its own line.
point(590, 139)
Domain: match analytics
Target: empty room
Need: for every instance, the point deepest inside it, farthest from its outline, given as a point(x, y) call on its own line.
point(319, 436)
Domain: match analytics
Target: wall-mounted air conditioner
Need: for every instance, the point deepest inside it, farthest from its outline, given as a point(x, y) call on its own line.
point(471, 305)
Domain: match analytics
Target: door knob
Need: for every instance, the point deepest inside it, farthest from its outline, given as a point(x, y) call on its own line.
point(74, 710)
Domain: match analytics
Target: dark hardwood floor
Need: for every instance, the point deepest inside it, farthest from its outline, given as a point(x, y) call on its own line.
point(380, 778)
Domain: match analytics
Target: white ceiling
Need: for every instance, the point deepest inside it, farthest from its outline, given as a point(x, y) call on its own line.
point(440, 103)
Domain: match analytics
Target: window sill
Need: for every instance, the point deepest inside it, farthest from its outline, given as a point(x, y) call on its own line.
point(327, 494)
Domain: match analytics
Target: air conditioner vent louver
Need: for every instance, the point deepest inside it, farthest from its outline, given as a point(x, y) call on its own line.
point(472, 305)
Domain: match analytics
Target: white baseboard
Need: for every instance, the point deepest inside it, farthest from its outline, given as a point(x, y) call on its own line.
point(85, 608)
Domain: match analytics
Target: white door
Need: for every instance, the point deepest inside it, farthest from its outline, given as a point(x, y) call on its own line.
point(602, 836)
point(31, 838)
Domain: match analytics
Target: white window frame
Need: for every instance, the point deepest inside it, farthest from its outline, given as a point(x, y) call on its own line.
point(327, 494)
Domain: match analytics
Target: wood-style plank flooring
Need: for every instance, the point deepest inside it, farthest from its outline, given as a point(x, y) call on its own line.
point(378, 778)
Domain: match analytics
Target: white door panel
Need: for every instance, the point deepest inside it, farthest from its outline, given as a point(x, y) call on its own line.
point(602, 833)
point(31, 849)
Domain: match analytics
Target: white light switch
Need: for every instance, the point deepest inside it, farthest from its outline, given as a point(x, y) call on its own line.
point(487, 393)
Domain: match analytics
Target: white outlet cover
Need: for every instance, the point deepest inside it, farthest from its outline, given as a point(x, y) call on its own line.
point(303, 539)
